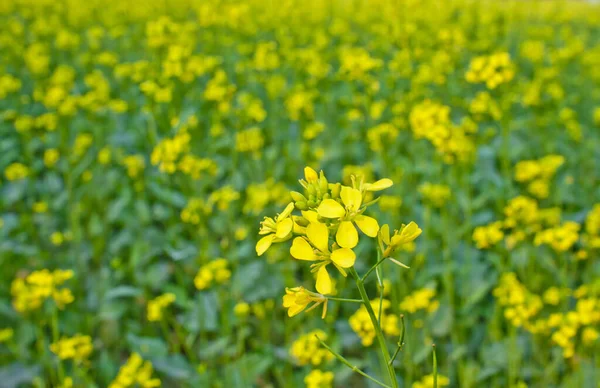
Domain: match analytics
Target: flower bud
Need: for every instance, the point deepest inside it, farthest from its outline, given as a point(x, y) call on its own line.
point(310, 175)
point(323, 184)
point(301, 205)
point(297, 197)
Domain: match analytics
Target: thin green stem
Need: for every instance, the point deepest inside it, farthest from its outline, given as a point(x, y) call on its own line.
point(435, 371)
point(376, 327)
point(349, 365)
point(379, 274)
point(345, 300)
point(372, 269)
point(400, 341)
point(55, 337)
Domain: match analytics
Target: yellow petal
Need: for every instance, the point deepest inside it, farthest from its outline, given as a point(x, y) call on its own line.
point(284, 227)
point(302, 250)
point(289, 300)
point(352, 198)
point(310, 175)
point(368, 225)
point(384, 232)
point(331, 209)
point(379, 185)
point(407, 234)
point(287, 211)
point(318, 235)
point(310, 215)
point(263, 244)
point(343, 257)
point(346, 236)
point(295, 310)
point(323, 281)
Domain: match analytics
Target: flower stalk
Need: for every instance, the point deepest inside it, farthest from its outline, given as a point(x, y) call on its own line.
point(378, 333)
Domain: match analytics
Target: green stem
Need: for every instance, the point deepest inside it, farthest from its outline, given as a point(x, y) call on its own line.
point(435, 371)
point(372, 269)
point(55, 337)
point(345, 300)
point(349, 365)
point(400, 341)
point(380, 338)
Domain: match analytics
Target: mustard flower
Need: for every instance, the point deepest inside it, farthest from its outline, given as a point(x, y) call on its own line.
point(276, 230)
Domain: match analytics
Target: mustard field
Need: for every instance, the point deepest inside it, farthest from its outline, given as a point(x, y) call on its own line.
point(301, 193)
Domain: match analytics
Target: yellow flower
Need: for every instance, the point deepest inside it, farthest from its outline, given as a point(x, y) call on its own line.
point(156, 306)
point(319, 379)
point(78, 348)
point(16, 171)
point(350, 214)
point(427, 382)
point(315, 247)
point(276, 230)
point(405, 235)
point(297, 300)
point(241, 309)
point(6, 334)
point(51, 156)
point(307, 348)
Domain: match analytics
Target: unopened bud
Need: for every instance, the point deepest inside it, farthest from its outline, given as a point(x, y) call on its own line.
point(297, 197)
point(323, 184)
point(301, 205)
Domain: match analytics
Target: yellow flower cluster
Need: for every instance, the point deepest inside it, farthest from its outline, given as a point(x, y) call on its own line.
point(428, 382)
point(492, 70)
point(328, 210)
point(29, 293)
point(8, 85)
point(222, 197)
point(6, 334)
point(135, 372)
point(483, 106)
point(174, 154)
point(51, 156)
point(488, 235)
point(523, 219)
point(16, 171)
point(435, 194)
point(520, 305)
point(250, 140)
point(307, 349)
point(380, 136)
point(156, 306)
point(431, 120)
point(78, 348)
point(312, 130)
point(420, 300)
point(585, 319)
point(134, 164)
point(361, 323)
point(259, 195)
point(591, 238)
point(538, 173)
point(319, 379)
point(82, 143)
point(194, 211)
point(561, 238)
point(215, 272)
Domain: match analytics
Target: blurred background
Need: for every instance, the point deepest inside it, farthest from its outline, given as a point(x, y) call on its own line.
point(141, 143)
